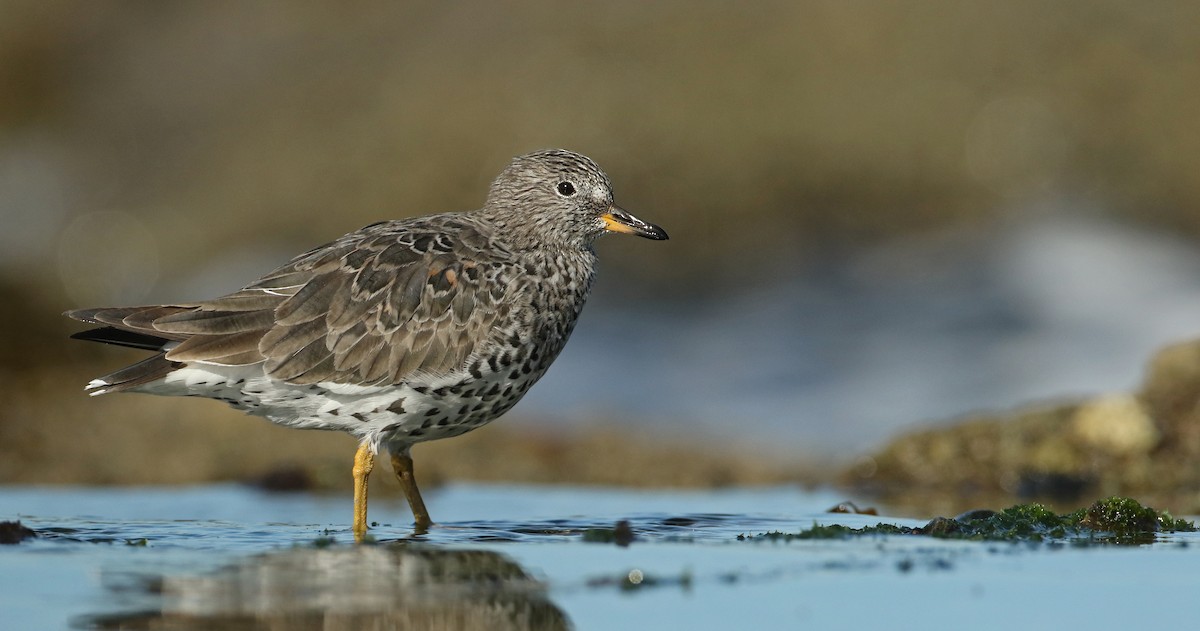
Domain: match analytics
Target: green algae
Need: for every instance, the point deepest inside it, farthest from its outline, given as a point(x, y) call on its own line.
point(1124, 516)
point(1116, 520)
point(832, 531)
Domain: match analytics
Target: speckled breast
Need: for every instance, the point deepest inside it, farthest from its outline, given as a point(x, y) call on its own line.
point(518, 356)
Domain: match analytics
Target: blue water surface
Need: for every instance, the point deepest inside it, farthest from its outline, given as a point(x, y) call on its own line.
point(516, 557)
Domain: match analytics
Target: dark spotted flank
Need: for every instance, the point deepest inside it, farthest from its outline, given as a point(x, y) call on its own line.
point(401, 332)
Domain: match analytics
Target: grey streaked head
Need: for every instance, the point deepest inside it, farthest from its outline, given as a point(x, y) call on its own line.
point(559, 197)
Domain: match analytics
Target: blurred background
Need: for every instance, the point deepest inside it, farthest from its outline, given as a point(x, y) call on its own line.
point(882, 215)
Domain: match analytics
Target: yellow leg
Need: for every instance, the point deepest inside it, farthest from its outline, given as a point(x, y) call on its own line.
point(364, 462)
point(402, 464)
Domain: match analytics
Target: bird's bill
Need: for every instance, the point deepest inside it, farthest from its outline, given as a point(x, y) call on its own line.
point(617, 220)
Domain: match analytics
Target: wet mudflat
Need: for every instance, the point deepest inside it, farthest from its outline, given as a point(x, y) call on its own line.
point(549, 558)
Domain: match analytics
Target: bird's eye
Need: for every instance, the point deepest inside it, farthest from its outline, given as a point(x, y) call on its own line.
point(566, 189)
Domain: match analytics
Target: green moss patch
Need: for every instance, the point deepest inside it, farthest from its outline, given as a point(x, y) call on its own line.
point(1116, 520)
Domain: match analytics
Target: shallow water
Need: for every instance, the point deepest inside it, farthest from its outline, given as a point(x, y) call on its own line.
point(515, 557)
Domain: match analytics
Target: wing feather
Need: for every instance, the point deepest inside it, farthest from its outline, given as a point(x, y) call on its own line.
point(360, 353)
point(213, 322)
point(376, 306)
point(235, 349)
point(283, 340)
point(313, 299)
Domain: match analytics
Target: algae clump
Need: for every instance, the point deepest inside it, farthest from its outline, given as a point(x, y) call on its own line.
point(1116, 520)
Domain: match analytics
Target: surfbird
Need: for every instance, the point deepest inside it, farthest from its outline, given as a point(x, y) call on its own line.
point(401, 332)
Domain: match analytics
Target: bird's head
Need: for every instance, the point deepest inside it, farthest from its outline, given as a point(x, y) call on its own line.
point(557, 197)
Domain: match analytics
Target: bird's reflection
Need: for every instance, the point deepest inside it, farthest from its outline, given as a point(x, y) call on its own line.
point(363, 587)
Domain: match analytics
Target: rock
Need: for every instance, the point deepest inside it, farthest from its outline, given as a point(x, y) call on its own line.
point(1144, 445)
point(1116, 424)
point(14, 532)
point(1171, 394)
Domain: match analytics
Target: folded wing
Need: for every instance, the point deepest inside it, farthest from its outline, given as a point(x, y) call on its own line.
point(376, 306)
